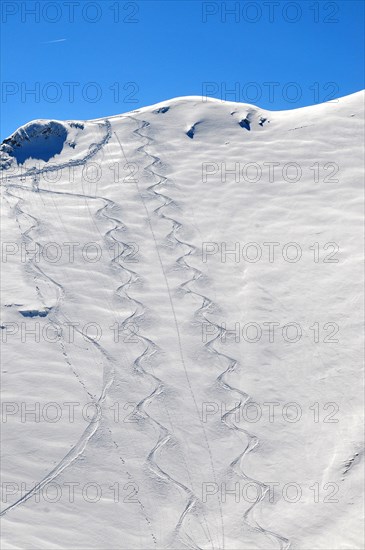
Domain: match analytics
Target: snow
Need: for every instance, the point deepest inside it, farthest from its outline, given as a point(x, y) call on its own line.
point(150, 346)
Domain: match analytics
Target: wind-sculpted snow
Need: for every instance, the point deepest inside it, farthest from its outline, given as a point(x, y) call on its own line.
point(214, 379)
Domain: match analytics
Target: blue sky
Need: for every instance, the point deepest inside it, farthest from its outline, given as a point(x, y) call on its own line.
point(91, 59)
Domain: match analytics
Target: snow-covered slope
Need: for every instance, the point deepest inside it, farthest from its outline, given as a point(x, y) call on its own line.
point(181, 329)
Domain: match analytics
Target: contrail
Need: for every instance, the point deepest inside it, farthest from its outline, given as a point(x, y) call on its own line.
point(54, 41)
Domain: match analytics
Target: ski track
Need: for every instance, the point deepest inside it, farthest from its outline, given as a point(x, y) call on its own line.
point(93, 426)
point(167, 201)
point(165, 435)
point(193, 502)
point(207, 305)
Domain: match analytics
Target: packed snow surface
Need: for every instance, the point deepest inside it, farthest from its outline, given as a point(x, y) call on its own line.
point(181, 329)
